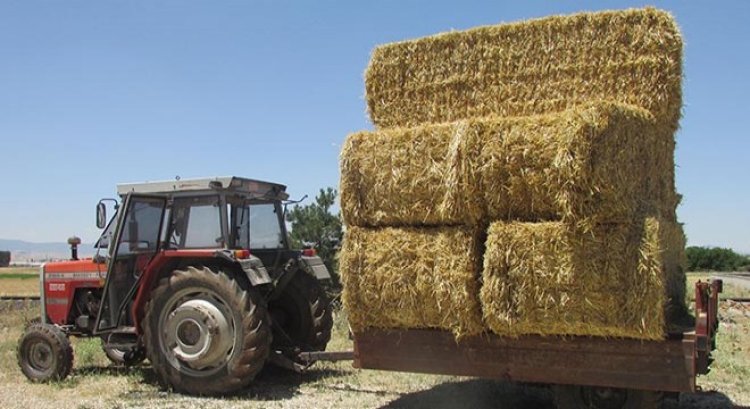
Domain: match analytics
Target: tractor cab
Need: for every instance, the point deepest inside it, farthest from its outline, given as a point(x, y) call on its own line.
point(231, 219)
point(201, 279)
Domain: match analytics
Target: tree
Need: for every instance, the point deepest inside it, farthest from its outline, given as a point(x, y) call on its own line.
point(314, 225)
point(715, 259)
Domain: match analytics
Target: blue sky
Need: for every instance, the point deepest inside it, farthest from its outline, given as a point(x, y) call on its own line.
point(101, 92)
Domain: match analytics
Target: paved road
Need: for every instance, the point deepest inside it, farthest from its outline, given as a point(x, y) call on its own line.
point(738, 279)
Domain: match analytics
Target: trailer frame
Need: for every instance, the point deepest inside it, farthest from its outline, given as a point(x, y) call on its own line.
point(669, 365)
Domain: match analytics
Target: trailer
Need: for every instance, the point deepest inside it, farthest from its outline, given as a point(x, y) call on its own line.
point(585, 372)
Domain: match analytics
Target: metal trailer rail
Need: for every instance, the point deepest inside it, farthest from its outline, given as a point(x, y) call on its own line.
point(670, 365)
point(19, 297)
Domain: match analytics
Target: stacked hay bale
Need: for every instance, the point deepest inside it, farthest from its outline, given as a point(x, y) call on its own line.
point(413, 278)
point(549, 278)
point(558, 134)
point(537, 66)
point(589, 164)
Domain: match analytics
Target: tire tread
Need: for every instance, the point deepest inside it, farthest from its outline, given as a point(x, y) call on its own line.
point(255, 343)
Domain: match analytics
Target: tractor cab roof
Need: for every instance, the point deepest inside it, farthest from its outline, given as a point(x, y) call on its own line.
point(251, 188)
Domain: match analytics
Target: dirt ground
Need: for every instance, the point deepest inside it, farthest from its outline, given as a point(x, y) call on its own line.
point(97, 384)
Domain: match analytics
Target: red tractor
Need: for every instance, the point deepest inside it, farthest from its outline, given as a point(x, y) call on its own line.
point(199, 277)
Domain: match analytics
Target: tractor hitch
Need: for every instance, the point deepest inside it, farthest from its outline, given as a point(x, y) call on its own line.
point(304, 360)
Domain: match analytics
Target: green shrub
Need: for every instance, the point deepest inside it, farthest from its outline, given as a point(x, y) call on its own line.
point(715, 259)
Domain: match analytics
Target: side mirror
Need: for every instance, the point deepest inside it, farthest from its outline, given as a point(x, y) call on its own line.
point(101, 215)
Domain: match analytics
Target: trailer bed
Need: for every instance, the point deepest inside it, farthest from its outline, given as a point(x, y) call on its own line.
point(620, 363)
point(668, 365)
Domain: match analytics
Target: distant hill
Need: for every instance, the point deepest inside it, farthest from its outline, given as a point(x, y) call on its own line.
point(27, 251)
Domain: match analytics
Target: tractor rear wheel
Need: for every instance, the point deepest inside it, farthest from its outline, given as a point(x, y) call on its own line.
point(584, 397)
point(44, 353)
point(302, 317)
point(205, 332)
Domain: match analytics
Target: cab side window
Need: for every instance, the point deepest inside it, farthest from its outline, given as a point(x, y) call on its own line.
point(195, 223)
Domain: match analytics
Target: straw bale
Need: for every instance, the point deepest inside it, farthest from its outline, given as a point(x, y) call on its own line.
point(417, 176)
point(531, 67)
point(551, 279)
point(412, 278)
point(664, 247)
point(599, 162)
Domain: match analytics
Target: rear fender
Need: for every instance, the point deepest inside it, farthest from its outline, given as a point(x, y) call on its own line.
point(255, 270)
point(164, 263)
point(161, 262)
point(314, 266)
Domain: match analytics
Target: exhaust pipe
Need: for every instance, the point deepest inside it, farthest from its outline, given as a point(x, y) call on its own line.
point(74, 242)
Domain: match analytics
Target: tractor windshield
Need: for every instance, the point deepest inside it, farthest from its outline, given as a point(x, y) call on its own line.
point(257, 226)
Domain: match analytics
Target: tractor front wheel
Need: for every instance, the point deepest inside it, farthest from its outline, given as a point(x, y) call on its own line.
point(44, 353)
point(205, 332)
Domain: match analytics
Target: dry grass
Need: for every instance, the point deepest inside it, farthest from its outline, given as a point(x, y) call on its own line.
point(96, 384)
point(412, 278)
point(20, 281)
point(530, 67)
point(19, 287)
point(19, 270)
point(731, 370)
point(600, 162)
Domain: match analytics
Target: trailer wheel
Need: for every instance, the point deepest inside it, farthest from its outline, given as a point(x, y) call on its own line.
point(44, 353)
point(206, 333)
point(302, 316)
point(589, 397)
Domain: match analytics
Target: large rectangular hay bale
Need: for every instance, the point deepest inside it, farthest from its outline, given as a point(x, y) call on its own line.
point(663, 249)
point(600, 162)
point(531, 67)
point(597, 163)
point(412, 278)
point(548, 278)
point(409, 177)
